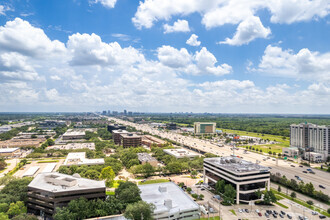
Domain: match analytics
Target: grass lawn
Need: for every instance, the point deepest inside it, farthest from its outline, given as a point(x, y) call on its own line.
point(110, 193)
point(282, 205)
point(232, 211)
point(48, 161)
point(154, 181)
point(284, 143)
point(211, 218)
point(277, 148)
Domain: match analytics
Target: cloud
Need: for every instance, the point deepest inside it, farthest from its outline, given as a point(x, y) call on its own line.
point(105, 3)
point(247, 31)
point(4, 8)
point(20, 36)
point(192, 41)
point(304, 65)
point(216, 13)
point(178, 26)
point(202, 62)
point(55, 77)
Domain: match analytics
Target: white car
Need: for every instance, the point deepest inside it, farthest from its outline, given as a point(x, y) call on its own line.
point(240, 210)
point(257, 211)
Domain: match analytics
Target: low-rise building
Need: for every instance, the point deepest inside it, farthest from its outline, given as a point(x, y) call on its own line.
point(10, 152)
point(50, 124)
point(290, 151)
point(48, 191)
point(72, 146)
point(130, 140)
point(146, 158)
point(314, 157)
point(79, 158)
point(170, 201)
point(171, 126)
point(72, 134)
point(116, 135)
point(204, 128)
point(181, 153)
point(149, 140)
point(246, 177)
point(113, 127)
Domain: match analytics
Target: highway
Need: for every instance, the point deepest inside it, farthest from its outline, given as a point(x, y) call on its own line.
point(283, 167)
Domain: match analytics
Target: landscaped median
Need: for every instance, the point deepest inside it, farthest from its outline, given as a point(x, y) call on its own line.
point(153, 181)
point(48, 161)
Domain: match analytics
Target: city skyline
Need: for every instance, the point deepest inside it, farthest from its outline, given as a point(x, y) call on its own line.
point(165, 56)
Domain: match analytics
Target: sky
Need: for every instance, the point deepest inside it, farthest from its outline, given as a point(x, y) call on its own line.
point(217, 56)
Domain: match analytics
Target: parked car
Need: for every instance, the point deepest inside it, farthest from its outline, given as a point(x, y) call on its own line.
point(266, 214)
point(246, 210)
point(281, 215)
point(240, 210)
point(275, 212)
point(289, 216)
point(321, 186)
point(322, 217)
point(293, 166)
point(259, 213)
point(275, 216)
point(301, 166)
point(304, 171)
point(314, 213)
point(282, 212)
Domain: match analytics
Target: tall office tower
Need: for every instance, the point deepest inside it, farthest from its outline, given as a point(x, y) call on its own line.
point(125, 112)
point(311, 137)
point(109, 112)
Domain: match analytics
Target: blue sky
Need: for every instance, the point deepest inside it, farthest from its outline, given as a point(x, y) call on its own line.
point(226, 56)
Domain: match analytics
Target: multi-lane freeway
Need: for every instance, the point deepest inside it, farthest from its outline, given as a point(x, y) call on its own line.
point(289, 169)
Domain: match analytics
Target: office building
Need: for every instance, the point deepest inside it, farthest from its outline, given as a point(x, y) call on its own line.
point(204, 127)
point(314, 157)
point(246, 177)
point(72, 146)
point(171, 126)
point(146, 158)
point(116, 135)
point(113, 127)
point(125, 112)
point(170, 201)
point(311, 138)
point(181, 153)
point(72, 134)
point(79, 158)
point(130, 140)
point(50, 124)
point(48, 191)
point(290, 151)
point(149, 140)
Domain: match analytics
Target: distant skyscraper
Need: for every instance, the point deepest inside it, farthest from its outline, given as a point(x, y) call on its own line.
point(109, 112)
point(125, 112)
point(311, 137)
point(104, 112)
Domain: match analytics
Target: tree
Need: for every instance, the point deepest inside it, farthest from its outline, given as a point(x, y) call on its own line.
point(310, 202)
point(269, 197)
point(24, 216)
point(174, 167)
point(229, 194)
point(201, 196)
point(92, 174)
point(279, 189)
point(194, 174)
point(189, 190)
point(139, 211)
point(3, 216)
point(270, 152)
point(17, 189)
point(16, 208)
point(220, 186)
point(328, 211)
point(293, 195)
point(128, 192)
point(258, 193)
point(4, 207)
point(108, 174)
point(50, 142)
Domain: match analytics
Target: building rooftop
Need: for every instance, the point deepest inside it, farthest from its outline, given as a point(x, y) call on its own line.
point(130, 135)
point(145, 157)
point(72, 132)
point(236, 164)
point(167, 197)
point(119, 131)
point(70, 146)
point(58, 182)
point(180, 152)
point(8, 150)
point(79, 158)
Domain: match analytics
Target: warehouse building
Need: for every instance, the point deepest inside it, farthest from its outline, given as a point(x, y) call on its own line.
point(170, 201)
point(48, 191)
point(246, 177)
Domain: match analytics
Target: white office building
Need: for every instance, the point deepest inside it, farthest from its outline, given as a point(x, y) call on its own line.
point(170, 201)
point(311, 137)
point(79, 158)
point(246, 177)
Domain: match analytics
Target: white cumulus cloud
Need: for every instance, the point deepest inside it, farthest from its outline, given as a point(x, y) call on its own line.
point(106, 3)
point(178, 26)
point(192, 41)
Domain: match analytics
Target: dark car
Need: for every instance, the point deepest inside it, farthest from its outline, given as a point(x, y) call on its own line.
point(275, 212)
point(322, 216)
point(281, 215)
point(246, 210)
point(312, 172)
point(289, 216)
point(259, 213)
point(293, 166)
point(266, 214)
point(282, 212)
point(304, 171)
point(321, 186)
point(301, 166)
point(275, 216)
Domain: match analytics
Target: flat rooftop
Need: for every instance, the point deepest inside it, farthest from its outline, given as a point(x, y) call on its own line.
point(8, 150)
point(180, 152)
point(130, 135)
point(119, 131)
point(236, 164)
point(70, 146)
point(72, 132)
point(169, 193)
point(145, 157)
point(58, 182)
point(79, 158)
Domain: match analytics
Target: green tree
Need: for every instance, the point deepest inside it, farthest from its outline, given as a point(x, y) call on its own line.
point(148, 169)
point(24, 216)
point(139, 211)
point(109, 175)
point(220, 186)
point(189, 190)
point(4, 207)
point(230, 194)
point(128, 192)
point(16, 208)
point(92, 174)
point(269, 197)
point(3, 216)
point(17, 189)
point(50, 142)
point(310, 202)
point(279, 189)
point(328, 211)
point(293, 195)
point(194, 174)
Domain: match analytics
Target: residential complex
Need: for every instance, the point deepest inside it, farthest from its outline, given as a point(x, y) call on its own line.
point(204, 127)
point(311, 138)
point(170, 201)
point(246, 177)
point(47, 191)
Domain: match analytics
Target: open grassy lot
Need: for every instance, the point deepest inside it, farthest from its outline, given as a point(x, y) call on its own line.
point(266, 148)
point(283, 142)
point(154, 181)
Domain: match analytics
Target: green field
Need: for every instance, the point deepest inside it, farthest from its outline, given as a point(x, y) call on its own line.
point(154, 181)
